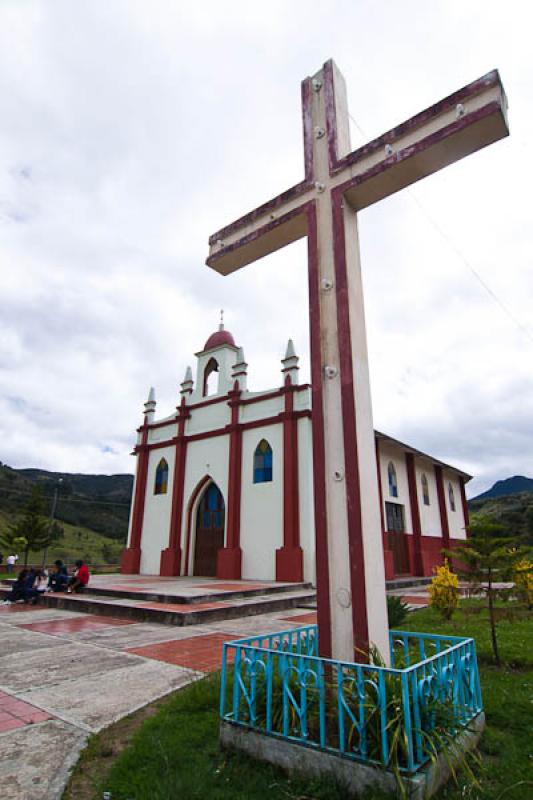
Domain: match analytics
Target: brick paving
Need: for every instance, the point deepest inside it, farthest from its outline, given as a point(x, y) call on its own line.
point(16, 608)
point(86, 623)
point(230, 587)
point(202, 653)
point(16, 713)
point(304, 619)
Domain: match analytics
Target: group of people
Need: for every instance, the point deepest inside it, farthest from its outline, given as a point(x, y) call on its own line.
point(31, 583)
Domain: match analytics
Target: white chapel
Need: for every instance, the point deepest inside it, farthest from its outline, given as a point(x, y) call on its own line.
point(224, 485)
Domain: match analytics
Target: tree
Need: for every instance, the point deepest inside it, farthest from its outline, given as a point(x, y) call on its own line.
point(33, 527)
point(486, 560)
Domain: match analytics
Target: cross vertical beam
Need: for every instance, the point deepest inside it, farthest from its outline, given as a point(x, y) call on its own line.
point(352, 613)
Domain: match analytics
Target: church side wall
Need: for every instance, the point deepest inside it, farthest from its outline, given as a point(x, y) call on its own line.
point(456, 520)
point(307, 515)
point(205, 457)
point(429, 515)
point(389, 453)
point(157, 510)
point(261, 505)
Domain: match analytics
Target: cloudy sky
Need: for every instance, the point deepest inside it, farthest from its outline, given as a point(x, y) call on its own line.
point(130, 131)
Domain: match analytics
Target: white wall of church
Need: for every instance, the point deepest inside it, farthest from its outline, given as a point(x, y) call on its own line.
point(261, 506)
point(157, 509)
point(389, 453)
point(204, 457)
point(429, 515)
point(209, 417)
point(261, 410)
point(307, 511)
point(456, 520)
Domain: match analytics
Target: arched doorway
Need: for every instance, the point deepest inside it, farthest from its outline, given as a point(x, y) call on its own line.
point(209, 531)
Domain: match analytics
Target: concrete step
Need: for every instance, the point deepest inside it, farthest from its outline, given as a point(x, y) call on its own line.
point(173, 613)
point(208, 596)
point(408, 582)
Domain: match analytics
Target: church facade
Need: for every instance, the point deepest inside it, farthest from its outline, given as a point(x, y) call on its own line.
point(224, 485)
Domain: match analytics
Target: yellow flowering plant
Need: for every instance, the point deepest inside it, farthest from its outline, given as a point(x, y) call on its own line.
point(444, 591)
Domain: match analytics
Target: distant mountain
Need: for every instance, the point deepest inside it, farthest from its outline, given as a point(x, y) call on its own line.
point(98, 502)
point(507, 487)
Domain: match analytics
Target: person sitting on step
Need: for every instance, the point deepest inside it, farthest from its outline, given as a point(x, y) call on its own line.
point(58, 580)
point(80, 579)
point(18, 588)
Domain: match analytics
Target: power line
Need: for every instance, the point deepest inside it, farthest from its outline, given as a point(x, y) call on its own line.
point(453, 246)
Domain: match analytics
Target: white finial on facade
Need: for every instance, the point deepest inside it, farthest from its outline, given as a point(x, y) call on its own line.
point(187, 383)
point(290, 363)
point(238, 372)
point(149, 406)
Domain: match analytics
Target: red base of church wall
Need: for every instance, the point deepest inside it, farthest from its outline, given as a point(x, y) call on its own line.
point(170, 562)
point(130, 563)
point(389, 565)
point(229, 563)
point(290, 564)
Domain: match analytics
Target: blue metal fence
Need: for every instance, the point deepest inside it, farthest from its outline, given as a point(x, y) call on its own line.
point(278, 685)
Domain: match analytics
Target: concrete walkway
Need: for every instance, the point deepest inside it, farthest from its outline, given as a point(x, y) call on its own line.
point(64, 675)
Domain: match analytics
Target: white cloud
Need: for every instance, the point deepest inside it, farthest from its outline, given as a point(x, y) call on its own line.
point(130, 133)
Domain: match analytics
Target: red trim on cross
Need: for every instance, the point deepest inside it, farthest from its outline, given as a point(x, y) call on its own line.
point(319, 459)
point(351, 458)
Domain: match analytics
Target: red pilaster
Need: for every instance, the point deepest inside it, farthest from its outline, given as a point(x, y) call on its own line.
point(418, 566)
point(289, 558)
point(171, 556)
point(464, 502)
point(229, 560)
point(445, 528)
point(131, 556)
point(387, 555)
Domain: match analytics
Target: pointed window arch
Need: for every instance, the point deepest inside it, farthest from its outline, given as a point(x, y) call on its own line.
point(161, 477)
point(451, 497)
point(263, 462)
point(210, 379)
point(425, 489)
point(393, 480)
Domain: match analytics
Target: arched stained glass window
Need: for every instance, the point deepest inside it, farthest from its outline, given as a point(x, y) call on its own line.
point(393, 481)
point(425, 489)
point(451, 497)
point(161, 477)
point(263, 462)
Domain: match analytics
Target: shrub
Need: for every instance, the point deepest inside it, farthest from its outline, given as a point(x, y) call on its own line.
point(523, 580)
point(444, 591)
point(397, 611)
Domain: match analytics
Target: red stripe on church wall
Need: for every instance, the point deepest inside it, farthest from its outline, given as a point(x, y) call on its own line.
point(289, 558)
point(445, 528)
point(418, 568)
point(131, 556)
point(171, 556)
point(229, 558)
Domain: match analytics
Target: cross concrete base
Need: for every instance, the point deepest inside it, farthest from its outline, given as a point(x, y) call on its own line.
point(353, 775)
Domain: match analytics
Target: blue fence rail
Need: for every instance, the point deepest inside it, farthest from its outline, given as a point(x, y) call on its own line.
point(278, 685)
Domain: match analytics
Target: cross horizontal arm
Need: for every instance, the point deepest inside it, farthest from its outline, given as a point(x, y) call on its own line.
point(453, 128)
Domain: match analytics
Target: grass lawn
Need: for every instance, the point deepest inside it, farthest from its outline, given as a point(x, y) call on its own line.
point(170, 751)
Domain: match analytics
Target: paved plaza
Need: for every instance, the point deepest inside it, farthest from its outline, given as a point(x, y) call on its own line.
point(65, 674)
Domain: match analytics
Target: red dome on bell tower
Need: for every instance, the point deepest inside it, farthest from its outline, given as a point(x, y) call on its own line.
point(220, 337)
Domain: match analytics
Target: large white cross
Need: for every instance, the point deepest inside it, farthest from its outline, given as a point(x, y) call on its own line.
point(352, 610)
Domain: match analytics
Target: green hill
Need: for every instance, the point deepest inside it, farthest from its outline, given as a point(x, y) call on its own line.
point(514, 512)
point(93, 509)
